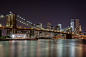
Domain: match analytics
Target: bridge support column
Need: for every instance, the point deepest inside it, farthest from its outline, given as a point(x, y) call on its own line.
point(8, 32)
point(11, 22)
point(31, 34)
point(14, 31)
point(68, 36)
point(38, 34)
point(52, 35)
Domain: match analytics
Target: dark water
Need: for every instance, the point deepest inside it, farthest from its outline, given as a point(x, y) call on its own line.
point(43, 48)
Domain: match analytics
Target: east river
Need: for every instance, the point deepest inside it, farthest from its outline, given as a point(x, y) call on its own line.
point(44, 48)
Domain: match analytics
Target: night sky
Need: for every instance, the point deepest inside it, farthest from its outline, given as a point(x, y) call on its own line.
point(47, 11)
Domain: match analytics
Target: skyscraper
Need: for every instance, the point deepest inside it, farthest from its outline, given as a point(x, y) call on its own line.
point(72, 24)
point(48, 25)
point(80, 30)
point(60, 25)
point(77, 26)
point(57, 27)
point(40, 25)
point(37, 26)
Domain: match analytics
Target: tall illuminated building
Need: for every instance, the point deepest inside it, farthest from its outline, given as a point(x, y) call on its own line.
point(77, 26)
point(60, 25)
point(72, 24)
point(80, 30)
point(57, 27)
point(48, 25)
point(40, 25)
point(37, 26)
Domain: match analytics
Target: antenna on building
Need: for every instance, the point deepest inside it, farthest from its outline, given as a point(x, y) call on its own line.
point(10, 12)
point(72, 16)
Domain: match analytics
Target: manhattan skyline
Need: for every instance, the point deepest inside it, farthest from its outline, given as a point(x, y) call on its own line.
point(47, 11)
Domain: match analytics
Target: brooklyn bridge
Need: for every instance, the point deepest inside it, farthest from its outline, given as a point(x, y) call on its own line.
point(31, 31)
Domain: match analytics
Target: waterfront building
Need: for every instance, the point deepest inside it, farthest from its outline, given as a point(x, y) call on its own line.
point(19, 36)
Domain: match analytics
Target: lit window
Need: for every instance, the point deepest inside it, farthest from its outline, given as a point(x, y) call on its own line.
point(0, 24)
point(11, 25)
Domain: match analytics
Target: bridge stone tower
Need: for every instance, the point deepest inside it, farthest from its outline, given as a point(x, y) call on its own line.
point(11, 22)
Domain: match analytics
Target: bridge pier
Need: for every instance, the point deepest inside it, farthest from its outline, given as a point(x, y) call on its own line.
point(68, 36)
point(8, 32)
point(11, 22)
point(31, 33)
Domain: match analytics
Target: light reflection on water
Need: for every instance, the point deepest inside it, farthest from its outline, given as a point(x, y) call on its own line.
point(43, 48)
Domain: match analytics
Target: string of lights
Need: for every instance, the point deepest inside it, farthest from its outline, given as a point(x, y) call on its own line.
point(25, 20)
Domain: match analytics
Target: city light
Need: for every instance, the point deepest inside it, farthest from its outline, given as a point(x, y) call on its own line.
point(0, 25)
point(17, 15)
point(20, 17)
point(39, 26)
point(30, 23)
point(1, 16)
